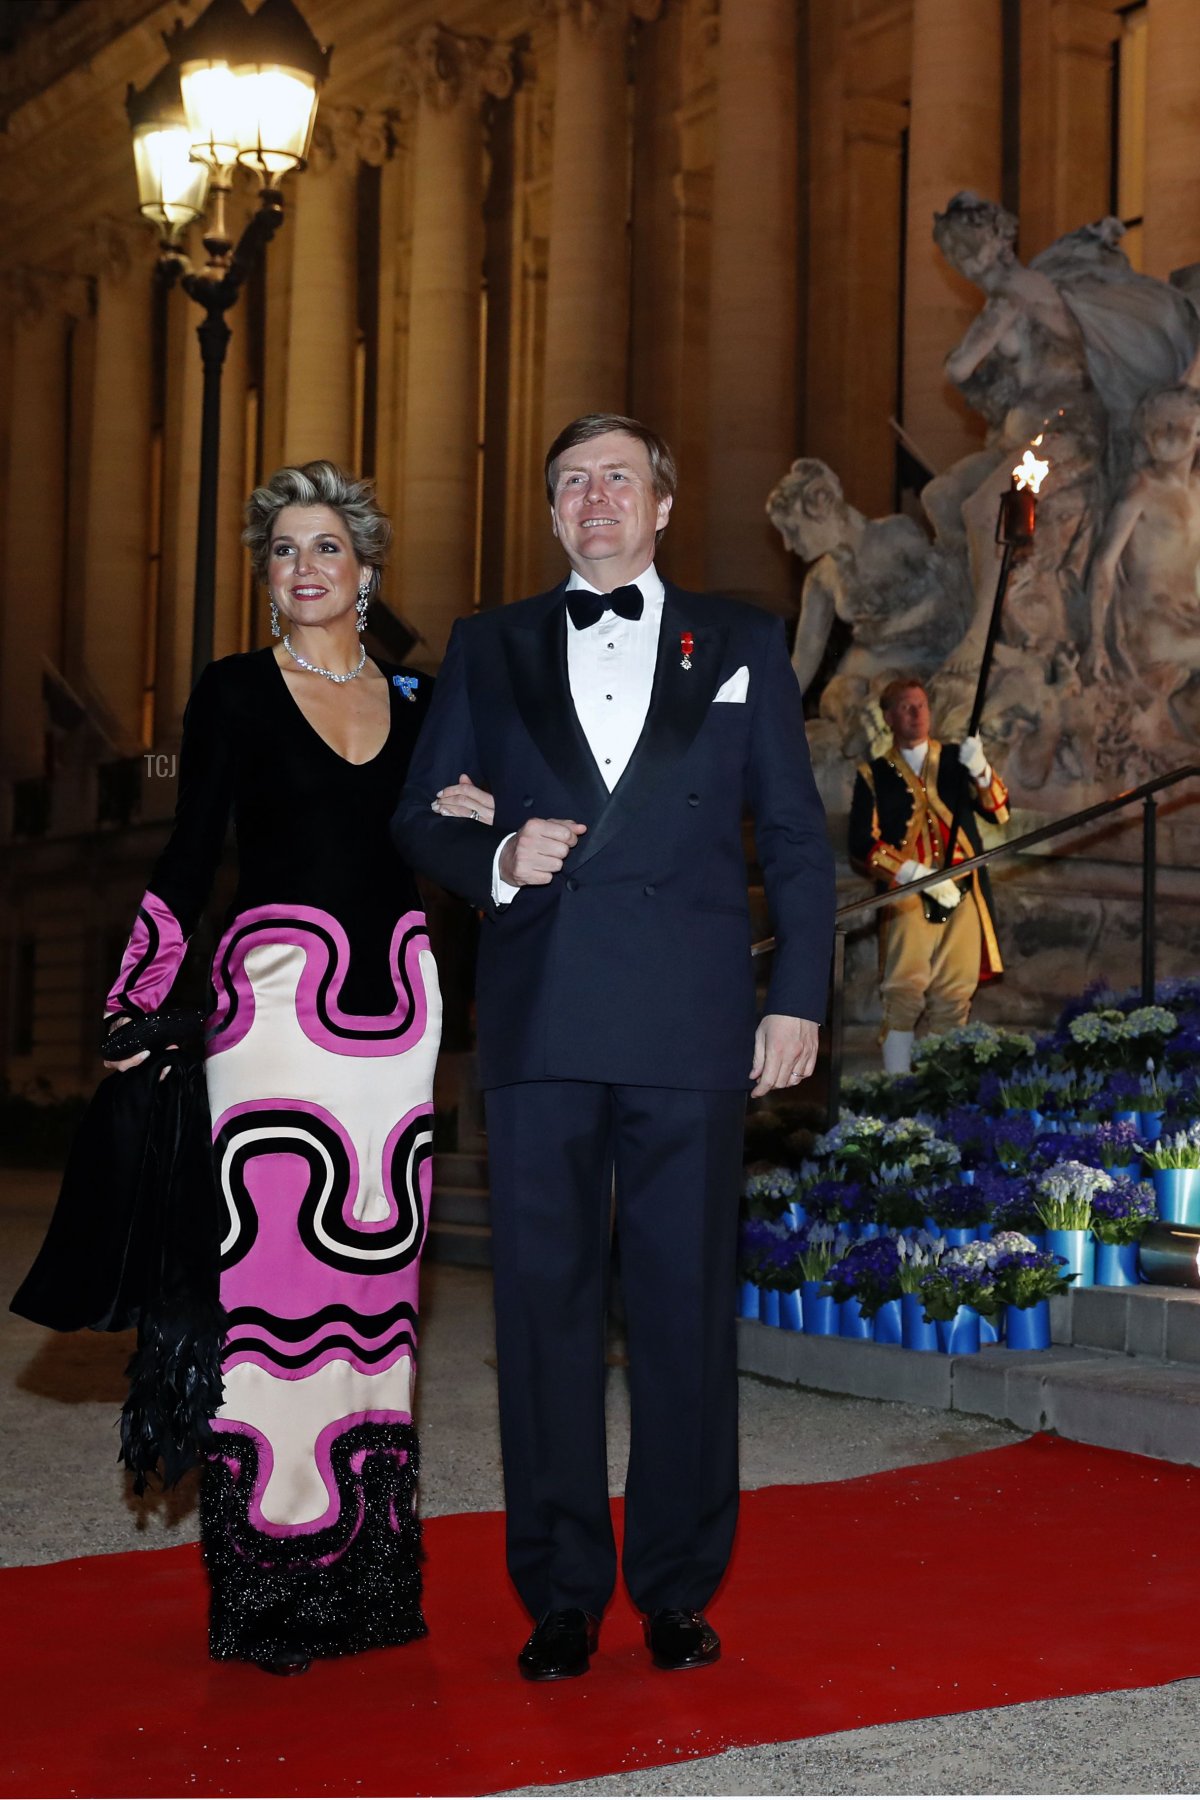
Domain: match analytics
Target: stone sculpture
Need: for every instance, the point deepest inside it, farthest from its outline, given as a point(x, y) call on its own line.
point(1096, 675)
point(904, 598)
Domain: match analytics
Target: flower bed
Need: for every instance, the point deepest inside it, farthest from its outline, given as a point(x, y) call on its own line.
point(946, 1207)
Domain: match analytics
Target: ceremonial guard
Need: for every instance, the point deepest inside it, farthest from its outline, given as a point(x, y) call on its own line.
point(936, 946)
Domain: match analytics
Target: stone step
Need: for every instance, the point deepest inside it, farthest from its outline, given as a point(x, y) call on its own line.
point(1158, 1324)
point(1149, 1406)
point(460, 1206)
point(460, 1168)
point(467, 1246)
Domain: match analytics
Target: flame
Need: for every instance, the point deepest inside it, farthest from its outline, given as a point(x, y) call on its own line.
point(1031, 471)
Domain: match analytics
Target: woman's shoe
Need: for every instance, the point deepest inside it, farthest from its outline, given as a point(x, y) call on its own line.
point(285, 1660)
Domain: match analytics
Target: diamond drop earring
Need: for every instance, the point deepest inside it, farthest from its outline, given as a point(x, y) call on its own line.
point(360, 605)
point(274, 619)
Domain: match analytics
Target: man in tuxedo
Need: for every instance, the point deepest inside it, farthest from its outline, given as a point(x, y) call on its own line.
point(624, 726)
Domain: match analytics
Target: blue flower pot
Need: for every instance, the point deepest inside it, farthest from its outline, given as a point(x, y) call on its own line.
point(820, 1310)
point(989, 1329)
point(796, 1214)
point(967, 1177)
point(1028, 1327)
point(1036, 1119)
point(1150, 1126)
point(984, 1230)
point(1036, 1238)
point(915, 1332)
point(1079, 1248)
point(770, 1306)
point(959, 1336)
point(1125, 1117)
point(1178, 1194)
point(1117, 1265)
point(957, 1235)
point(791, 1311)
point(851, 1323)
point(932, 1226)
point(749, 1300)
point(869, 1229)
point(889, 1326)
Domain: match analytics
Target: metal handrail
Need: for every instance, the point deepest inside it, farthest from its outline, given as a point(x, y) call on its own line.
point(1056, 828)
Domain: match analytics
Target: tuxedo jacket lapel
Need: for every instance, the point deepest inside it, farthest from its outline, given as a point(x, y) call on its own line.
point(679, 701)
point(537, 664)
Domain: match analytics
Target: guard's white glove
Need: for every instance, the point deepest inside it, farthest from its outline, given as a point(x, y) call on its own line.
point(970, 755)
point(946, 893)
point(911, 871)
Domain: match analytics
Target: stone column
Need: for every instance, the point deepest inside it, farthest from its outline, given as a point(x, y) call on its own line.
point(1066, 116)
point(35, 521)
point(656, 362)
point(1172, 233)
point(442, 411)
point(115, 618)
point(587, 295)
point(752, 350)
point(323, 315)
point(180, 487)
point(954, 142)
point(873, 186)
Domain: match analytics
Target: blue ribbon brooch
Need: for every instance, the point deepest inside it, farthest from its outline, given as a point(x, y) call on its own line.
point(407, 685)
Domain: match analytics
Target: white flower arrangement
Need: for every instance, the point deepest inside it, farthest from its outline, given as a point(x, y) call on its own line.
point(1063, 1197)
point(983, 1043)
point(917, 1257)
point(772, 1184)
point(1147, 1021)
point(1179, 1151)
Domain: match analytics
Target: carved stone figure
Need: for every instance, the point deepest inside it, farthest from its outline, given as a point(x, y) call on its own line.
point(1095, 681)
point(903, 597)
point(1077, 327)
point(1145, 613)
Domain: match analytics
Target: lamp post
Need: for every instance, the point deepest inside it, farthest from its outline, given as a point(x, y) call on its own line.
point(239, 87)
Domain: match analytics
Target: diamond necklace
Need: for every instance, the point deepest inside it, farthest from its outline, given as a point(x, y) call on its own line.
point(328, 674)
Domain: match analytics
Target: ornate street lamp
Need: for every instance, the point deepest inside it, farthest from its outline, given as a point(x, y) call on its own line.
point(239, 87)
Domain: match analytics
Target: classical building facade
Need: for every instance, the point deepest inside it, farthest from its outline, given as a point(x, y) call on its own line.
point(712, 213)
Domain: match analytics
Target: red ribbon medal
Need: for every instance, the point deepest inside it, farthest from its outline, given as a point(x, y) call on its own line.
point(687, 644)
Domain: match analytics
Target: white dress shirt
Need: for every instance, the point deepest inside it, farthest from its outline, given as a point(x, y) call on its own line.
point(610, 668)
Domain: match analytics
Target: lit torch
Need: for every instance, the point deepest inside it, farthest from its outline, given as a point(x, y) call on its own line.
point(1014, 531)
point(1018, 507)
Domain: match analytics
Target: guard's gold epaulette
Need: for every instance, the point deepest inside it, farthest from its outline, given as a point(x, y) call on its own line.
point(868, 775)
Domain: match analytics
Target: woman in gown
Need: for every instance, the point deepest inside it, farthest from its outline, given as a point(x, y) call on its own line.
point(319, 1063)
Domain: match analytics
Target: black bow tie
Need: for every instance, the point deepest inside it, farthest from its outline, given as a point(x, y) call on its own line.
point(585, 607)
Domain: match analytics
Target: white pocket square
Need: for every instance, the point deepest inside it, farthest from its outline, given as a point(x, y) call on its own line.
point(735, 689)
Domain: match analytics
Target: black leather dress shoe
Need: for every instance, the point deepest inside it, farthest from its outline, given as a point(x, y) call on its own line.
point(284, 1659)
point(681, 1640)
point(560, 1646)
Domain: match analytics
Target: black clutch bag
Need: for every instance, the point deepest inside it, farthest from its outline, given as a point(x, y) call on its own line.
point(135, 1240)
point(182, 1026)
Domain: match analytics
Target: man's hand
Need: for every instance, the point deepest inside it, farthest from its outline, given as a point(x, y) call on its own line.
point(973, 760)
point(785, 1053)
point(534, 856)
point(463, 800)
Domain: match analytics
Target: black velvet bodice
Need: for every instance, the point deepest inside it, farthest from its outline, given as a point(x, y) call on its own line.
point(311, 828)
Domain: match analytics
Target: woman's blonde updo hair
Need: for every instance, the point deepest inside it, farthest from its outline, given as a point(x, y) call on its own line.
point(318, 484)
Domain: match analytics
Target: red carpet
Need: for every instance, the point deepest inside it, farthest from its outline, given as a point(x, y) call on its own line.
point(1017, 1574)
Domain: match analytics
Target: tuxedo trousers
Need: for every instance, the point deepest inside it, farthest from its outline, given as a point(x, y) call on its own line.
point(557, 1151)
